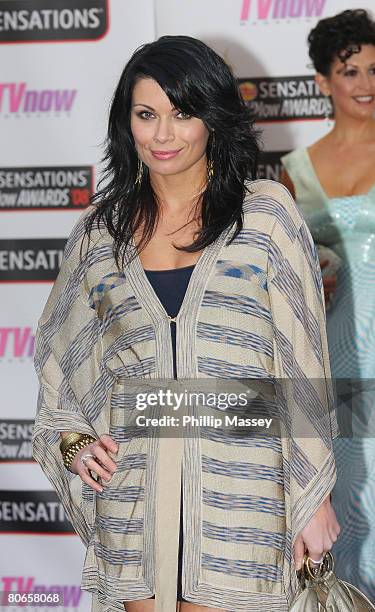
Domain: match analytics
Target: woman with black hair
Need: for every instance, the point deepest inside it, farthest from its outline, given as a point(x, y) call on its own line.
point(333, 182)
point(187, 270)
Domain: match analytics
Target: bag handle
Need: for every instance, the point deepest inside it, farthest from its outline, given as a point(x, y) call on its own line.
point(325, 566)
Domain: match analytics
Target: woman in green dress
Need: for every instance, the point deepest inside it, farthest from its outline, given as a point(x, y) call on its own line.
point(333, 181)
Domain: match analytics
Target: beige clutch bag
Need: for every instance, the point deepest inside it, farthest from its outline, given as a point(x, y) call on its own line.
point(323, 592)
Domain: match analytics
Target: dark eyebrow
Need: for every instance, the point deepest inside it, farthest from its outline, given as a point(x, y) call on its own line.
point(350, 66)
point(145, 105)
point(149, 107)
point(346, 67)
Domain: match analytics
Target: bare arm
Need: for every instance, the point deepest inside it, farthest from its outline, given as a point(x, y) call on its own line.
point(287, 181)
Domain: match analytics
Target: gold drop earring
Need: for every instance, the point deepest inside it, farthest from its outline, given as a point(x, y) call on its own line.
point(210, 163)
point(138, 180)
point(327, 113)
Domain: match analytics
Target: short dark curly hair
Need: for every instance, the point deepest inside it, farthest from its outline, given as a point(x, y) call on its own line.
point(340, 36)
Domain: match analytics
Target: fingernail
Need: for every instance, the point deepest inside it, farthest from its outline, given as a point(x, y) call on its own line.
point(101, 490)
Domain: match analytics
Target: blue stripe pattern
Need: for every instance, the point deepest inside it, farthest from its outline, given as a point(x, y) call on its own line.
point(243, 535)
point(240, 469)
point(253, 503)
point(237, 567)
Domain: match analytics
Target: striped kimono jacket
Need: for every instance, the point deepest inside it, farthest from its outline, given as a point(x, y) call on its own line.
point(253, 310)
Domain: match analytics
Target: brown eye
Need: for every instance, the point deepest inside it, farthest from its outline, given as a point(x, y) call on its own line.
point(182, 115)
point(145, 115)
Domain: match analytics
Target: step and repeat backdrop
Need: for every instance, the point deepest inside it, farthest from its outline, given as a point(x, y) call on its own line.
point(59, 63)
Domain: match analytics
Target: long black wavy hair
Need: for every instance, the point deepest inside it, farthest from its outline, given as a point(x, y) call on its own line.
point(340, 36)
point(198, 82)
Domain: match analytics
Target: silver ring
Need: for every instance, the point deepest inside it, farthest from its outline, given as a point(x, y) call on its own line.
point(318, 561)
point(84, 457)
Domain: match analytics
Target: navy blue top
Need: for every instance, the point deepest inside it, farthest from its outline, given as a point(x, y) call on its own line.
point(170, 287)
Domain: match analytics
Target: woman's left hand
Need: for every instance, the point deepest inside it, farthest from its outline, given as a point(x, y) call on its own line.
point(318, 536)
point(329, 283)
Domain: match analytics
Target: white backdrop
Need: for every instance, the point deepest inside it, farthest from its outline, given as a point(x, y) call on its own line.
point(259, 38)
point(54, 98)
point(35, 547)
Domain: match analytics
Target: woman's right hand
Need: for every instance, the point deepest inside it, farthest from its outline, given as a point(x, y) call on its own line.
point(101, 463)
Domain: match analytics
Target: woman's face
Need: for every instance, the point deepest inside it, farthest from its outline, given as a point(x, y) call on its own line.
point(167, 141)
point(352, 85)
